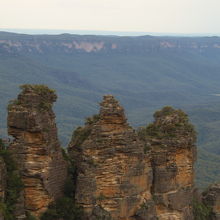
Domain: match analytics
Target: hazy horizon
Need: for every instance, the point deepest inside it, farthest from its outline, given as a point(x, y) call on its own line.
point(102, 32)
point(197, 17)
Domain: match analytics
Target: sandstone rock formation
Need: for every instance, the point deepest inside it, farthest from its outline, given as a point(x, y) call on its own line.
point(36, 149)
point(124, 176)
point(121, 174)
point(172, 142)
point(114, 175)
point(211, 198)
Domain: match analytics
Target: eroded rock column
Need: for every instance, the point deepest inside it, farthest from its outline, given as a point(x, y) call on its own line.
point(114, 175)
point(36, 148)
point(172, 141)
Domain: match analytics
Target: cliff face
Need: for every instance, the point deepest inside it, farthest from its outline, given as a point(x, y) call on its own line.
point(172, 141)
point(114, 174)
point(68, 44)
point(36, 149)
point(124, 176)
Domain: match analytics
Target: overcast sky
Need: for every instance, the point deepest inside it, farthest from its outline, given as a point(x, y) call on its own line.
point(168, 16)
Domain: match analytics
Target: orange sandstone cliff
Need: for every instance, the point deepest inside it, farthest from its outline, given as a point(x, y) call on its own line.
point(36, 149)
point(114, 175)
point(171, 139)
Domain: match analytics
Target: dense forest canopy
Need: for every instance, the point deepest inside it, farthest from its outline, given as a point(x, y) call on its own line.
point(144, 73)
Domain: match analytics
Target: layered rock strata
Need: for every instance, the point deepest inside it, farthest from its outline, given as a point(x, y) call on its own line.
point(114, 175)
point(211, 198)
point(171, 139)
point(36, 148)
point(124, 176)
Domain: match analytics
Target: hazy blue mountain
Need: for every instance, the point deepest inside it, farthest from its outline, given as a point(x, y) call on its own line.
point(144, 73)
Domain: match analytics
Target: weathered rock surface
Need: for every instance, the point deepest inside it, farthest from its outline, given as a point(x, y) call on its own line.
point(114, 175)
point(36, 149)
point(121, 174)
point(172, 141)
point(211, 198)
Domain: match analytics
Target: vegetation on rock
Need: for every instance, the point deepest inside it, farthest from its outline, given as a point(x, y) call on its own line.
point(42, 90)
point(201, 211)
point(91, 120)
point(169, 123)
point(30, 217)
point(65, 208)
point(81, 133)
point(47, 96)
point(13, 103)
point(14, 184)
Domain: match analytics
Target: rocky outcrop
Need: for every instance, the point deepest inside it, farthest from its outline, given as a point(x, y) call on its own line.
point(124, 176)
point(36, 149)
point(211, 198)
point(114, 175)
point(171, 139)
point(121, 174)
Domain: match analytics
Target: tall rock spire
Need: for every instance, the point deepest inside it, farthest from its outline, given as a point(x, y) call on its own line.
point(111, 112)
point(114, 174)
point(36, 148)
point(172, 141)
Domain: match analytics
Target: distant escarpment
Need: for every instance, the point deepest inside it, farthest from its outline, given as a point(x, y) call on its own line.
point(12, 43)
point(110, 172)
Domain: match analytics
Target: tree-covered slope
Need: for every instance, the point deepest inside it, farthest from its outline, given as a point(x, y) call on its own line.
point(144, 73)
